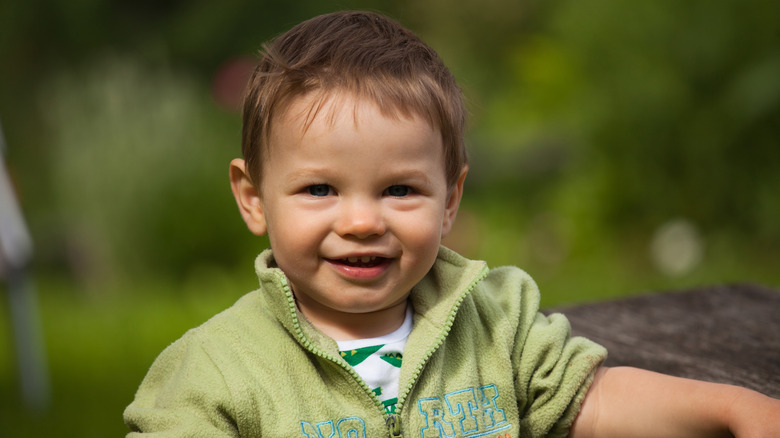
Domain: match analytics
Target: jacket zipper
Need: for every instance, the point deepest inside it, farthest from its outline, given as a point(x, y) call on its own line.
point(392, 421)
point(447, 327)
point(313, 349)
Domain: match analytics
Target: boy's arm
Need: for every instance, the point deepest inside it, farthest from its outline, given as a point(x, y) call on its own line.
point(629, 402)
point(182, 395)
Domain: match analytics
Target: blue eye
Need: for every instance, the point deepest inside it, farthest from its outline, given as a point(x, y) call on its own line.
point(319, 190)
point(398, 191)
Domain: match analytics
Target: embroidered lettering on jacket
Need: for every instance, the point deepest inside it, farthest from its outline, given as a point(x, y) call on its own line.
point(466, 413)
point(351, 427)
point(471, 412)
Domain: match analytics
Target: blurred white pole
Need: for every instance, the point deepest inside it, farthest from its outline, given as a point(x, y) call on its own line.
point(15, 257)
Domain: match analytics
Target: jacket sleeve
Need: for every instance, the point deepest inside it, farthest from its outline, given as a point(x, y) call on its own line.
point(183, 395)
point(553, 371)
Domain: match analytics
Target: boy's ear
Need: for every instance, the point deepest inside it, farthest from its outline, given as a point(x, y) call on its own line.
point(453, 202)
point(250, 204)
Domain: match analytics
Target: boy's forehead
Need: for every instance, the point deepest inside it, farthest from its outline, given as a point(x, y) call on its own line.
point(313, 122)
point(305, 119)
point(335, 107)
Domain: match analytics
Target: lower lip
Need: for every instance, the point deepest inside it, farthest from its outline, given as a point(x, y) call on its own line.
point(361, 272)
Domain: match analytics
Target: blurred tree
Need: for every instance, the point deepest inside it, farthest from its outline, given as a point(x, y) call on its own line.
point(680, 109)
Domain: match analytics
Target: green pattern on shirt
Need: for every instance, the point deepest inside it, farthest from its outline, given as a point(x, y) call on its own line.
point(390, 405)
point(393, 359)
point(354, 357)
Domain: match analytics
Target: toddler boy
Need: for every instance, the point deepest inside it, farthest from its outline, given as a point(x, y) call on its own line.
point(363, 325)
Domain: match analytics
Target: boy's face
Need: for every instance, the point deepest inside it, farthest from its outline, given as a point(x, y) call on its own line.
point(355, 206)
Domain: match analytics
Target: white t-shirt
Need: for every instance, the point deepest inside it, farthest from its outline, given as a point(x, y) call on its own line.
point(378, 361)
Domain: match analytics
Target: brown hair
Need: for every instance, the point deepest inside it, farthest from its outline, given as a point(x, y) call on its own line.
point(362, 53)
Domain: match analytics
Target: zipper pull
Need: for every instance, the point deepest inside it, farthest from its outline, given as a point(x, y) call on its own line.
point(394, 425)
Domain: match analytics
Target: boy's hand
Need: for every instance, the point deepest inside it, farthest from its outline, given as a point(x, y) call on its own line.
point(629, 402)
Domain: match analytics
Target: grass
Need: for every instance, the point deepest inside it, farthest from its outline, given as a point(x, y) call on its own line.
point(100, 346)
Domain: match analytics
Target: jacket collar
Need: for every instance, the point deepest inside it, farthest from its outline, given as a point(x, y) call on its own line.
point(435, 298)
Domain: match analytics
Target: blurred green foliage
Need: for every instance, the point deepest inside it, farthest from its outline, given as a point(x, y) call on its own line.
point(616, 147)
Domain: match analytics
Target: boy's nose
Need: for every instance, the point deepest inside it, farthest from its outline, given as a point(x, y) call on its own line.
point(361, 219)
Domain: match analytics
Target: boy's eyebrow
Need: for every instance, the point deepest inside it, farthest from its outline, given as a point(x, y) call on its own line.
point(320, 172)
point(412, 174)
point(306, 174)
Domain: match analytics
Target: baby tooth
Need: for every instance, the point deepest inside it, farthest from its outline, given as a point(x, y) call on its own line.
point(352, 259)
point(366, 259)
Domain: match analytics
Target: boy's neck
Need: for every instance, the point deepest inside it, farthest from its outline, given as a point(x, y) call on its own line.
point(345, 327)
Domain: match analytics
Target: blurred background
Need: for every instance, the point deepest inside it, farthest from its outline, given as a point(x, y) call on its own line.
point(617, 148)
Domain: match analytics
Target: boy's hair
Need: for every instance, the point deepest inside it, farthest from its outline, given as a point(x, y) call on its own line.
point(366, 55)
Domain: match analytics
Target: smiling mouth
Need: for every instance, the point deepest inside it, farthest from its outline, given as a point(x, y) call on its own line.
point(361, 262)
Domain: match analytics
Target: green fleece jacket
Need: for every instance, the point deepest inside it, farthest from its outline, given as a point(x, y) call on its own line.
point(481, 361)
